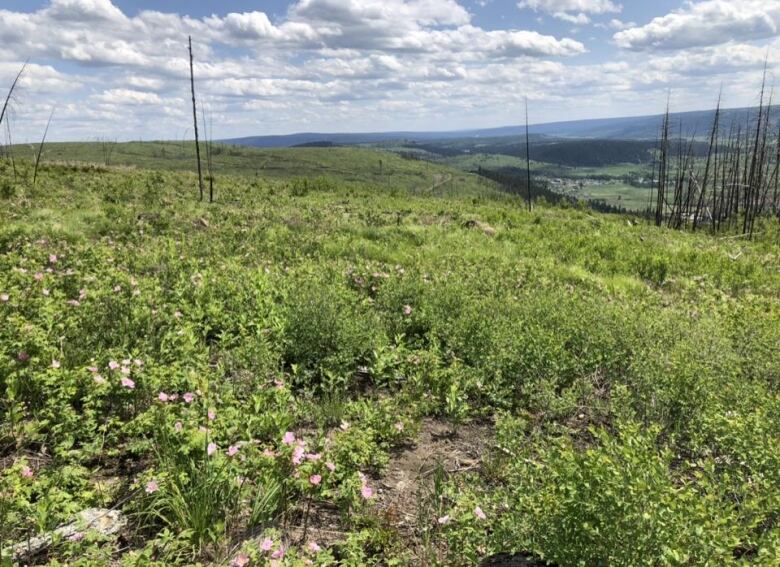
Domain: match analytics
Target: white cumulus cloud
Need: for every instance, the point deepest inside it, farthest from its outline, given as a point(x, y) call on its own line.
point(710, 22)
point(569, 6)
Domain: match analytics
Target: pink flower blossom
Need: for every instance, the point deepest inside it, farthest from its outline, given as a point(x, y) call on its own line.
point(178, 426)
point(151, 487)
point(163, 397)
point(92, 369)
point(278, 554)
point(127, 383)
point(76, 536)
point(240, 560)
point(117, 288)
point(52, 258)
point(444, 520)
point(74, 302)
point(407, 310)
point(138, 362)
point(330, 466)
point(232, 451)
point(27, 472)
point(55, 363)
point(113, 365)
point(98, 379)
point(313, 547)
point(479, 513)
point(125, 370)
point(297, 456)
point(82, 294)
point(4, 297)
point(38, 276)
point(178, 314)
point(269, 453)
point(267, 544)
point(366, 492)
point(189, 397)
point(22, 356)
point(315, 479)
point(211, 449)
point(289, 438)
point(212, 414)
point(313, 456)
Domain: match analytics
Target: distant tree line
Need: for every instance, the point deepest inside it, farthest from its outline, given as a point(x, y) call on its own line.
point(570, 153)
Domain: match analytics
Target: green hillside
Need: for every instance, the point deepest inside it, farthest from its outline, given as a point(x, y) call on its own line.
point(332, 365)
point(350, 166)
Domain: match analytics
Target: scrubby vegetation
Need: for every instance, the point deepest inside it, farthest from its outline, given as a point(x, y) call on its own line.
point(239, 378)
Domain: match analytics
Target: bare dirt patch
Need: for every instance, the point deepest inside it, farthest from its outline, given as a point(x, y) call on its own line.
point(408, 477)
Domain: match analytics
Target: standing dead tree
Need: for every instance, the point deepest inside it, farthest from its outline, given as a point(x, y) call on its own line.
point(4, 112)
point(11, 92)
point(107, 147)
point(733, 185)
point(663, 170)
point(195, 120)
point(208, 129)
point(40, 148)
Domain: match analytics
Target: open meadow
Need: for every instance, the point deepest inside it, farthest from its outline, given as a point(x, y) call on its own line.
point(335, 363)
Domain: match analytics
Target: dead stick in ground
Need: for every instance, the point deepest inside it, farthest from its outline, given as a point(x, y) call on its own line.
point(40, 148)
point(11, 92)
point(195, 121)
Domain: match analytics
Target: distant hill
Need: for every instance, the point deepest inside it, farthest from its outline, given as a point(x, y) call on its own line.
point(625, 128)
point(580, 152)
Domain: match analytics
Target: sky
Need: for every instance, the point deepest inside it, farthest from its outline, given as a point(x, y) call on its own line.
point(118, 69)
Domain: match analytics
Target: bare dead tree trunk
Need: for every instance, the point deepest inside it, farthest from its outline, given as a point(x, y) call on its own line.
point(209, 134)
point(663, 169)
point(195, 121)
point(40, 148)
point(712, 147)
point(11, 92)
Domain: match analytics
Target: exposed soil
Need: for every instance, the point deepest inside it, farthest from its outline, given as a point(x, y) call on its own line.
point(512, 560)
point(455, 449)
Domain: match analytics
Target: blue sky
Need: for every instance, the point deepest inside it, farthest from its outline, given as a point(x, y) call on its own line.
point(118, 69)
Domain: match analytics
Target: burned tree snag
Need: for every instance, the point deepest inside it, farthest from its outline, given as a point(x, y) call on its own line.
point(195, 122)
